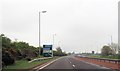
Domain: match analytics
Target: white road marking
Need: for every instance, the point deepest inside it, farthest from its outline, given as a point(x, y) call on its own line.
point(39, 68)
point(73, 65)
point(69, 61)
point(94, 64)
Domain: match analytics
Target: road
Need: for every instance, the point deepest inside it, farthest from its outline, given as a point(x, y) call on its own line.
point(71, 63)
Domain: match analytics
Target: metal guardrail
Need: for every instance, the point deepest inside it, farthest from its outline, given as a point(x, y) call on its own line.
point(116, 61)
point(39, 59)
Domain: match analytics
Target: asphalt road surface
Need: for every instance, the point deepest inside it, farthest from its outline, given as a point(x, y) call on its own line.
point(70, 63)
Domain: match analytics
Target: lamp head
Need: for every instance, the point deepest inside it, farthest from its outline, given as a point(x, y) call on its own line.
point(44, 11)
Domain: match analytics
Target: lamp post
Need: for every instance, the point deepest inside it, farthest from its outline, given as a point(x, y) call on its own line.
point(40, 28)
point(53, 42)
point(59, 43)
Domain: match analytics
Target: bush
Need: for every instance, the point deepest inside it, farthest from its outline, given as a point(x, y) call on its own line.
point(3, 64)
point(19, 57)
point(28, 59)
point(7, 58)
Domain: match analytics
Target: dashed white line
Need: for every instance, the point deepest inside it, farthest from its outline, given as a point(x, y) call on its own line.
point(69, 61)
point(73, 65)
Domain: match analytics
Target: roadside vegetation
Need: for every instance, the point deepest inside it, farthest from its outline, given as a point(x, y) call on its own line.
point(107, 51)
point(16, 54)
point(24, 64)
point(110, 51)
point(108, 57)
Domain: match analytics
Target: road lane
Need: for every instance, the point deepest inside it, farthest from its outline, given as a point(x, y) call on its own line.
point(69, 62)
point(84, 65)
point(62, 63)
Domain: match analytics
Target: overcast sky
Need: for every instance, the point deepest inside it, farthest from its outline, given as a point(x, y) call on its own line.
point(79, 25)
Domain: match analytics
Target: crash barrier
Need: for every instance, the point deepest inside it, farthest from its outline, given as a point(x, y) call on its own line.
point(116, 61)
point(39, 59)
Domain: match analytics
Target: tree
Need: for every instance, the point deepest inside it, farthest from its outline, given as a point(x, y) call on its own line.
point(13, 50)
point(20, 45)
point(106, 50)
point(7, 58)
point(6, 42)
point(59, 49)
point(59, 52)
point(119, 50)
point(114, 47)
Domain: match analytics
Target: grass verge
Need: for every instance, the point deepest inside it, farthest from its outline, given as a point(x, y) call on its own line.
point(24, 64)
point(109, 57)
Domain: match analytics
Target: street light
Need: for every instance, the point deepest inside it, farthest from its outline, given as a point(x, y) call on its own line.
point(53, 42)
point(59, 43)
point(54, 38)
point(39, 28)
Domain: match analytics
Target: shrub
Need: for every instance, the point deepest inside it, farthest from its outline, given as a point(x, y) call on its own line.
point(7, 58)
point(3, 64)
point(28, 59)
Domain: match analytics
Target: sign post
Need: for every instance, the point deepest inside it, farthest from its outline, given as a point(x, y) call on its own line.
point(47, 51)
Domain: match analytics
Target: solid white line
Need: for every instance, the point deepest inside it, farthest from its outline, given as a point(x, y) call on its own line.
point(47, 64)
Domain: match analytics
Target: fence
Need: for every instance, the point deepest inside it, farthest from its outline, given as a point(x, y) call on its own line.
point(116, 61)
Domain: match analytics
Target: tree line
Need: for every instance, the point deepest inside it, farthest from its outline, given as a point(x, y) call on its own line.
point(109, 50)
point(14, 50)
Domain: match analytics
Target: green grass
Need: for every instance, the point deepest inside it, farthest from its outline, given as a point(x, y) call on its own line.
point(109, 57)
point(40, 56)
point(23, 64)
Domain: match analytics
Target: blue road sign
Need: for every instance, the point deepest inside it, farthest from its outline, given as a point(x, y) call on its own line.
point(47, 51)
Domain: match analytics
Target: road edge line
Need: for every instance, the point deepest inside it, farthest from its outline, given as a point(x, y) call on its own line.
point(39, 67)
